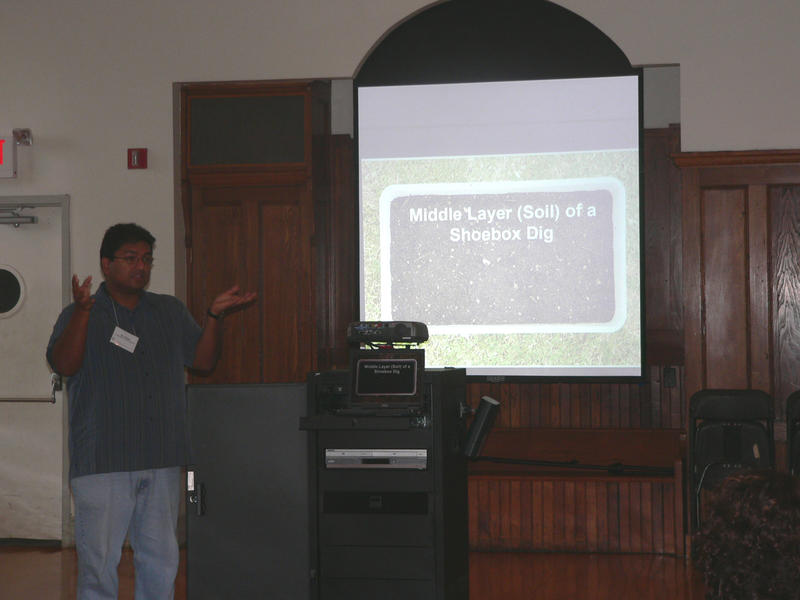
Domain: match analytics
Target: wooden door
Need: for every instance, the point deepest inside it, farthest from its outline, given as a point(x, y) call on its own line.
point(257, 235)
point(250, 220)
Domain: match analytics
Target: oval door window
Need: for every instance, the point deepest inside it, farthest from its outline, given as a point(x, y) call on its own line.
point(12, 291)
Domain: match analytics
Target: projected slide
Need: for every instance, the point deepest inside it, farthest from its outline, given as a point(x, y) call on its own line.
point(505, 216)
point(523, 248)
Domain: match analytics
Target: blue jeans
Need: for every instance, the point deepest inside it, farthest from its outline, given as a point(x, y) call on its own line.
point(142, 505)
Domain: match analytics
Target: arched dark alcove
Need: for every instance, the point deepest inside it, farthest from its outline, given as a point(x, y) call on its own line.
point(462, 41)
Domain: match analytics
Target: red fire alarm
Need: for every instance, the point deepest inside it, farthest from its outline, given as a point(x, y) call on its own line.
point(137, 158)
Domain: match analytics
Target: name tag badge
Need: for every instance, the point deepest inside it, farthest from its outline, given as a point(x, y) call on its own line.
point(123, 339)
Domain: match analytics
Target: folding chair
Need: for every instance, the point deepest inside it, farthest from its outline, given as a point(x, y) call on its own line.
point(730, 430)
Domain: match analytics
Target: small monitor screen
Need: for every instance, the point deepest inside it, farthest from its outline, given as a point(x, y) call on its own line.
point(387, 377)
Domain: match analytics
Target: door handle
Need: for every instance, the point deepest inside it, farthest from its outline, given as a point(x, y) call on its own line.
point(56, 385)
point(195, 493)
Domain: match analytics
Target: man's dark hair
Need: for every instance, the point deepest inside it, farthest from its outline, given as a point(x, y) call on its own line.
point(120, 234)
point(749, 544)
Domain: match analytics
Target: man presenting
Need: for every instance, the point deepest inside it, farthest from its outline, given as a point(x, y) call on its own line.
point(124, 350)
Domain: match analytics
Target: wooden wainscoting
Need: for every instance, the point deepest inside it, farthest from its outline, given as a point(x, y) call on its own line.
point(568, 513)
point(656, 403)
point(540, 508)
point(634, 506)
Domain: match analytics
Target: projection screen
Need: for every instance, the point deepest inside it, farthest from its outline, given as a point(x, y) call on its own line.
point(506, 216)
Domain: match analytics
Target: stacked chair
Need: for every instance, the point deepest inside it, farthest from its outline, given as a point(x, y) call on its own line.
point(729, 431)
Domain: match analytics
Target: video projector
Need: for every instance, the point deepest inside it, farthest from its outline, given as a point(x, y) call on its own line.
point(386, 332)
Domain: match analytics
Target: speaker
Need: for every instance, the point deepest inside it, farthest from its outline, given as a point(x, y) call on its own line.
point(480, 427)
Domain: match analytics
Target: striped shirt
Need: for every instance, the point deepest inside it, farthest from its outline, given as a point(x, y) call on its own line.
point(127, 410)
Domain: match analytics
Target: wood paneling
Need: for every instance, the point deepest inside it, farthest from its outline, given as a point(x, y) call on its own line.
point(784, 203)
point(575, 514)
point(540, 509)
point(337, 261)
point(652, 404)
point(759, 288)
point(758, 194)
point(591, 448)
point(662, 248)
point(724, 288)
point(561, 493)
point(740, 250)
point(544, 576)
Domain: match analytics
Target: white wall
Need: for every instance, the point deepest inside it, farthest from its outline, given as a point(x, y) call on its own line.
point(93, 77)
point(738, 62)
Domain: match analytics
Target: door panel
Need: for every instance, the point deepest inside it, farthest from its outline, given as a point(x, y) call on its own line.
point(220, 258)
point(258, 236)
point(289, 343)
point(247, 530)
point(725, 288)
point(31, 423)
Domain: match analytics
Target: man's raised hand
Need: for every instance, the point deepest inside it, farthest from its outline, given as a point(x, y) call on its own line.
point(82, 292)
point(231, 299)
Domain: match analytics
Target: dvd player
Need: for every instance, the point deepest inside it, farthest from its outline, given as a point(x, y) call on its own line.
point(376, 458)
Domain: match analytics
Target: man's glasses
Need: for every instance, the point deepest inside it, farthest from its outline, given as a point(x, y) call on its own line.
point(132, 260)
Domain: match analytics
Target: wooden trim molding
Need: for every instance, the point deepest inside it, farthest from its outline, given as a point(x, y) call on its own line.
point(735, 158)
